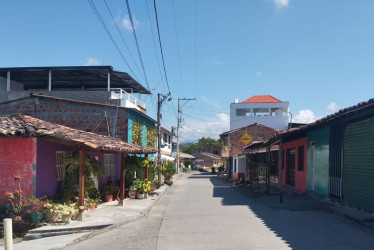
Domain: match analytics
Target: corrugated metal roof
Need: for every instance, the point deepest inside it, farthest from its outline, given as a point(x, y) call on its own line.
point(261, 99)
point(27, 126)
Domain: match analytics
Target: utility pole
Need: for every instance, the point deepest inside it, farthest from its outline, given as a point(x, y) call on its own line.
point(159, 103)
point(178, 125)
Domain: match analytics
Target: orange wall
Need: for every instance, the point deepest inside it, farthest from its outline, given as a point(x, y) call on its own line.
point(236, 176)
point(300, 176)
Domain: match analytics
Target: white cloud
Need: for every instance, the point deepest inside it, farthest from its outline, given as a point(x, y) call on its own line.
point(281, 3)
point(304, 116)
point(332, 107)
point(216, 61)
point(193, 130)
point(93, 62)
point(125, 23)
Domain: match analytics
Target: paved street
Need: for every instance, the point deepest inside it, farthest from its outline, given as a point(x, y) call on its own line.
point(201, 212)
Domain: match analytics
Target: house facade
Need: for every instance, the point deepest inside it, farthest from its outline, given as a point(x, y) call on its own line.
point(43, 145)
point(262, 109)
point(234, 142)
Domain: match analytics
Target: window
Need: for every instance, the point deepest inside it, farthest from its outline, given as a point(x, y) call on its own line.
point(261, 112)
point(235, 165)
point(240, 112)
point(300, 165)
point(165, 138)
point(60, 165)
point(109, 164)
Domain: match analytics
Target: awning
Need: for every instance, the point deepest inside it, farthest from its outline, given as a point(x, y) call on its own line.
point(167, 158)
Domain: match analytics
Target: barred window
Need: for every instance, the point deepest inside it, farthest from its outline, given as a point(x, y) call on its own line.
point(109, 164)
point(60, 165)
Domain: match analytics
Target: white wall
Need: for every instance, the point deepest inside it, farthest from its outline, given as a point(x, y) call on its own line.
point(279, 121)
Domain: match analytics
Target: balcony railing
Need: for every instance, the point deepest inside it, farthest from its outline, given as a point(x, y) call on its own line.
point(123, 95)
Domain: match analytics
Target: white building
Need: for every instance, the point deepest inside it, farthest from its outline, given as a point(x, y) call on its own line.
point(261, 109)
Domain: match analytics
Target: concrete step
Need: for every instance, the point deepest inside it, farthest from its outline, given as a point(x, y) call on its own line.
point(38, 234)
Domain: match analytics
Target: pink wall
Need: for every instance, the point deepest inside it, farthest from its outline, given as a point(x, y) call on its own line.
point(300, 176)
point(17, 155)
point(236, 176)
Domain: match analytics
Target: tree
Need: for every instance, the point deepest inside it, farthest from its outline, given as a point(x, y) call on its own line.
point(204, 143)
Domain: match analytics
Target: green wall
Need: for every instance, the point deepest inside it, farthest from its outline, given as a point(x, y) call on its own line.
point(321, 160)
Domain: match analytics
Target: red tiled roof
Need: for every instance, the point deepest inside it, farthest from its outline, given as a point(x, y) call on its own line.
point(261, 98)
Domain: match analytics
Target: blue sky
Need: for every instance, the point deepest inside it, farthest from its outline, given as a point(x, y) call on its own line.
point(316, 54)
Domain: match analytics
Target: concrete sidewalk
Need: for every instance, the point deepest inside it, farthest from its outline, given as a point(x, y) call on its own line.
point(297, 201)
point(107, 216)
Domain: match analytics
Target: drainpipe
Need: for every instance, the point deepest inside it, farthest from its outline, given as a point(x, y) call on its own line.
point(8, 81)
point(49, 80)
point(281, 170)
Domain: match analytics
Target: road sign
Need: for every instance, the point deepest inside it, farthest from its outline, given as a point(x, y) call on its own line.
point(246, 139)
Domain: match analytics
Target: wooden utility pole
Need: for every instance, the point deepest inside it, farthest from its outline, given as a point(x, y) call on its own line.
point(159, 103)
point(178, 125)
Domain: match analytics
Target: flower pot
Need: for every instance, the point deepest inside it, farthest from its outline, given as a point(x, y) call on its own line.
point(127, 193)
point(108, 197)
point(17, 218)
point(66, 218)
point(133, 193)
point(74, 216)
point(51, 217)
point(92, 206)
point(140, 196)
point(36, 217)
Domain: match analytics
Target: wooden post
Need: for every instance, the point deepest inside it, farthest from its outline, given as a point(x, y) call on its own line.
point(81, 184)
point(146, 168)
point(122, 187)
point(281, 155)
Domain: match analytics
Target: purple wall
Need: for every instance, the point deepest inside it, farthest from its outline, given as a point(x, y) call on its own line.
point(46, 182)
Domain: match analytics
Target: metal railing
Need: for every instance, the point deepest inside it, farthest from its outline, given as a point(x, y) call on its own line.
point(123, 95)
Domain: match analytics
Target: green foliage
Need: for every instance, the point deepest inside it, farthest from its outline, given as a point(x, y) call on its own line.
point(69, 188)
point(168, 170)
point(137, 132)
point(151, 136)
point(203, 143)
point(137, 164)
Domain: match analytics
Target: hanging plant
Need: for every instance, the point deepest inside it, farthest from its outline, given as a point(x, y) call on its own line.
point(151, 136)
point(137, 132)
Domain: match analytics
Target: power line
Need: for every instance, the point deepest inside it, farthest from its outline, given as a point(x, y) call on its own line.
point(120, 33)
point(179, 57)
point(110, 36)
point(137, 44)
point(154, 43)
point(159, 39)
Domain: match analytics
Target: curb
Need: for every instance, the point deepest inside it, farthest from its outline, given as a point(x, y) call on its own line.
point(142, 214)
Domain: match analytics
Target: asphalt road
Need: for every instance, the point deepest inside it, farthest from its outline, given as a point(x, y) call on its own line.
point(201, 212)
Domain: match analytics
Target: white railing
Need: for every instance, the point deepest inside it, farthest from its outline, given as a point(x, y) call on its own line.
point(123, 95)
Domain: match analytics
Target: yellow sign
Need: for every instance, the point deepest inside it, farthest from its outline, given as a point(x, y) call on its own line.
point(246, 139)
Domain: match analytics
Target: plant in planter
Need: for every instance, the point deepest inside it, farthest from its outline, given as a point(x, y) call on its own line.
point(108, 191)
point(15, 199)
point(144, 187)
point(35, 207)
point(66, 211)
point(168, 171)
point(51, 212)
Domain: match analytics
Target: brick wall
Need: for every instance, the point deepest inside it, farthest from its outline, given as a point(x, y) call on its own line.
point(76, 115)
point(17, 155)
point(256, 132)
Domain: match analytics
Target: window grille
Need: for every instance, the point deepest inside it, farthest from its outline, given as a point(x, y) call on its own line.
point(109, 164)
point(60, 165)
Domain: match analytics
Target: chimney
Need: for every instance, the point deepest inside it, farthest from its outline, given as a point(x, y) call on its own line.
point(236, 100)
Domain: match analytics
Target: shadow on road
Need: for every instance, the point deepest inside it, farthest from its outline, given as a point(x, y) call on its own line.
point(289, 221)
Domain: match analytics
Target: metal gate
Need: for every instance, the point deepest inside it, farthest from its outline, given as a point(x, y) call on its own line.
point(358, 164)
point(335, 165)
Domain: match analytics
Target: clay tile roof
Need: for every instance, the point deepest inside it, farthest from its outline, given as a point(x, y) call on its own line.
point(214, 156)
point(261, 98)
point(26, 126)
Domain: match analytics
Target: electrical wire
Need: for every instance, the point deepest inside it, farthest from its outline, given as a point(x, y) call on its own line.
point(123, 39)
point(110, 35)
point(159, 39)
point(137, 44)
point(179, 57)
point(154, 43)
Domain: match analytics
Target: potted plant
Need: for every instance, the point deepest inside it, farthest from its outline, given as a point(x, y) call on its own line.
point(144, 187)
point(51, 212)
point(108, 191)
point(15, 199)
point(35, 208)
point(66, 211)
